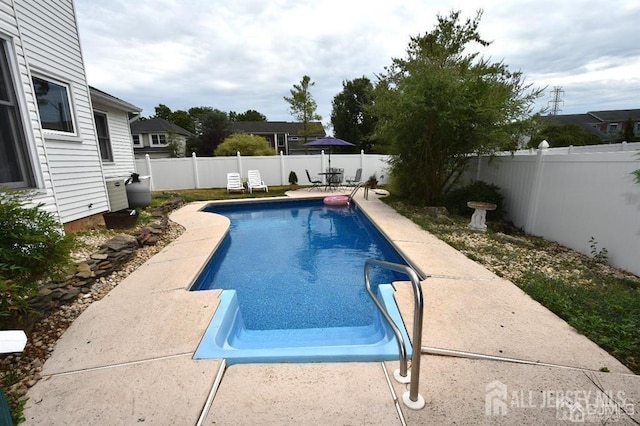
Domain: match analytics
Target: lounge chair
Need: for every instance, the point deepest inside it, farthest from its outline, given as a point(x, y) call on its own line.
point(315, 184)
point(254, 181)
point(353, 181)
point(234, 183)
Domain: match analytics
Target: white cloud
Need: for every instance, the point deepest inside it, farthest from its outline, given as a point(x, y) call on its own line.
point(247, 54)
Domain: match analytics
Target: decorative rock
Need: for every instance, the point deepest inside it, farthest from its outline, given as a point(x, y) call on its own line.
point(121, 242)
point(511, 239)
point(84, 266)
point(85, 274)
point(44, 292)
point(443, 220)
point(70, 294)
point(99, 256)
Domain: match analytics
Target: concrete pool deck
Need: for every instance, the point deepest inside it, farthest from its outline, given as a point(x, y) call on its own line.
point(127, 358)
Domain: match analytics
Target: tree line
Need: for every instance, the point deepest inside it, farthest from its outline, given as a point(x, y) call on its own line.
point(430, 110)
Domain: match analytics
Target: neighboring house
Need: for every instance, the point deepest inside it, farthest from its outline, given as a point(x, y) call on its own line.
point(59, 137)
point(282, 136)
point(159, 138)
point(607, 125)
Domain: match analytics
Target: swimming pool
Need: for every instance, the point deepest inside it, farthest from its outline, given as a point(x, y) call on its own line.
point(292, 274)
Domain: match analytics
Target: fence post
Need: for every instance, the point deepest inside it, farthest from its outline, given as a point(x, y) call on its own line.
point(362, 159)
point(196, 174)
point(239, 158)
point(534, 198)
point(147, 161)
point(322, 169)
point(478, 174)
point(282, 176)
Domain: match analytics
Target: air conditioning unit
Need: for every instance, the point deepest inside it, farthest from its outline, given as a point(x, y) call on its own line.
point(117, 193)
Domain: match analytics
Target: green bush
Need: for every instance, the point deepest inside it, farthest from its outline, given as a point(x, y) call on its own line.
point(245, 144)
point(32, 247)
point(456, 201)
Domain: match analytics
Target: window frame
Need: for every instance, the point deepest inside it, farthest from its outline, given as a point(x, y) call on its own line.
point(133, 141)
point(69, 98)
point(106, 139)
point(15, 112)
point(160, 136)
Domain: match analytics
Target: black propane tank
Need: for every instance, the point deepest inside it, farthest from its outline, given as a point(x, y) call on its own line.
point(138, 193)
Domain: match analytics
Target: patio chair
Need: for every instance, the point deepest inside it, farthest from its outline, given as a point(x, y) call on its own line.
point(234, 183)
point(335, 179)
point(254, 181)
point(353, 181)
point(315, 184)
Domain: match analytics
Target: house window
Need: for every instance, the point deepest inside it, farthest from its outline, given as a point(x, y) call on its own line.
point(102, 131)
point(613, 127)
point(14, 164)
point(158, 140)
point(136, 141)
point(54, 105)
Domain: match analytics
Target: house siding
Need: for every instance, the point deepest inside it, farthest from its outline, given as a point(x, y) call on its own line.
point(50, 40)
point(10, 32)
point(121, 143)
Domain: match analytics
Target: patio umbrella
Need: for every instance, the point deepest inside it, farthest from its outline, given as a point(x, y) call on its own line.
point(329, 141)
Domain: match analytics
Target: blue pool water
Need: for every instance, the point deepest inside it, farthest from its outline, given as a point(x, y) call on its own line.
point(293, 272)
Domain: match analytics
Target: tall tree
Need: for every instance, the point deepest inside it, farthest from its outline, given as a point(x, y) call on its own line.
point(248, 115)
point(303, 107)
point(351, 116)
point(440, 103)
point(180, 117)
point(163, 111)
point(211, 128)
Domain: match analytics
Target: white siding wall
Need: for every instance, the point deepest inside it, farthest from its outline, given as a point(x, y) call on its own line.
point(121, 143)
point(52, 49)
point(9, 31)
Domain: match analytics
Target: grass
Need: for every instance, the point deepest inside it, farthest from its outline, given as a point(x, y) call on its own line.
point(599, 301)
point(190, 195)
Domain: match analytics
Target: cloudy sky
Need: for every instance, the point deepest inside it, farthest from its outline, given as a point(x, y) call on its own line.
point(247, 54)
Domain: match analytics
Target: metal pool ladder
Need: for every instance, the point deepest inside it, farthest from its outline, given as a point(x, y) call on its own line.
point(411, 398)
point(355, 189)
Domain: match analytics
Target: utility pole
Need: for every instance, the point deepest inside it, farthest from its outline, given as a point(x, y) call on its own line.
point(556, 100)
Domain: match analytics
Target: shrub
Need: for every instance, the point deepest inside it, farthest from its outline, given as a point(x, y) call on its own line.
point(246, 144)
point(32, 247)
point(456, 201)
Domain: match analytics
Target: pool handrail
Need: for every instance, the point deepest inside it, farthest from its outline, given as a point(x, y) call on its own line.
point(411, 398)
point(354, 190)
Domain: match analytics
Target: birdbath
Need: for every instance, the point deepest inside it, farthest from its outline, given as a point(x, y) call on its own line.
point(478, 220)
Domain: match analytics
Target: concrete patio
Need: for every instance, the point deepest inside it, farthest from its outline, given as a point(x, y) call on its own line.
point(128, 358)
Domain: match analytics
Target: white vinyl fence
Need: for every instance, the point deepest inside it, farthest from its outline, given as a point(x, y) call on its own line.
point(569, 195)
point(566, 195)
point(211, 172)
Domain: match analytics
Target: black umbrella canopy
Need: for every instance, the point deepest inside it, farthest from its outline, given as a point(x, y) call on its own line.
point(329, 141)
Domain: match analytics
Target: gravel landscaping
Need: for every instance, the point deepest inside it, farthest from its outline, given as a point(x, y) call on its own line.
point(598, 300)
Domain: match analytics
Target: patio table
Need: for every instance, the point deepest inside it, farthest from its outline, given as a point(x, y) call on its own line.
point(330, 182)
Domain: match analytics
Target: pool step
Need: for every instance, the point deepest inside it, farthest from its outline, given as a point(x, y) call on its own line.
point(226, 337)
